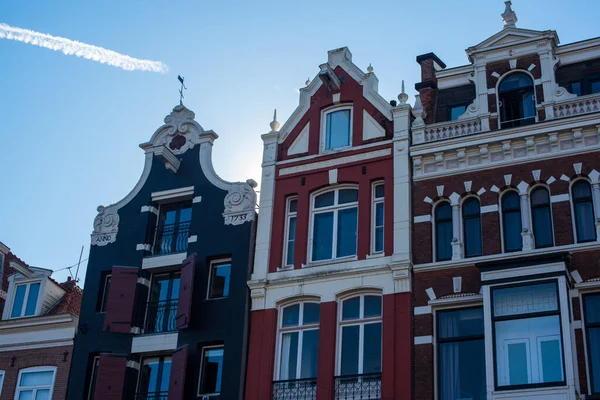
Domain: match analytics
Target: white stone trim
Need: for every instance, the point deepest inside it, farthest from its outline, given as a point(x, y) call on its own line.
point(431, 293)
point(132, 364)
point(557, 198)
point(163, 261)
point(335, 162)
point(577, 324)
point(193, 239)
point(173, 193)
point(197, 199)
point(455, 301)
point(422, 310)
point(427, 339)
point(154, 343)
point(417, 219)
point(143, 281)
point(575, 274)
point(522, 272)
point(489, 208)
point(150, 209)
point(333, 176)
point(143, 247)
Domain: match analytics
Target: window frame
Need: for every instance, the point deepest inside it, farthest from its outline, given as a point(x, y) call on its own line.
point(464, 226)
point(2, 373)
point(211, 269)
point(286, 243)
point(585, 85)
point(18, 389)
point(499, 102)
point(91, 384)
point(202, 366)
point(177, 203)
point(453, 106)
point(335, 208)
point(375, 201)
point(105, 290)
point(531, 213)
point(323, 139)
point(574, 213)
point(586, 326)
point(435, 229)
point(161, 359)
point(13, 295)
point(503, 224)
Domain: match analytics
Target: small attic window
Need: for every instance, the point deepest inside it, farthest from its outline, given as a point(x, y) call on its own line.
point(25, 300)
point(337, 129)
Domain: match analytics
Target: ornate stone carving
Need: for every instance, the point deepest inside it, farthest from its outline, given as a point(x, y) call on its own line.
point(179, 133)
point(106, 226)
point(240, 203)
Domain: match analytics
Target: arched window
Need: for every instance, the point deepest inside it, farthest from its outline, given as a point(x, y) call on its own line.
point(511, 222)
point(298, 341)
point(517, 105)
point(443, 232)
point(472, 227)
point(583, 207)
point(338, 128)
point(541, 216)
point(334, 224)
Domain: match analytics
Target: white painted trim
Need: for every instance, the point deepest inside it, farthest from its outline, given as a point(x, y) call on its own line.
point(428, 339)
point(577, 324)
point(173, 193)
point(36, 369)
point(455, 301)
point(417, 219)
point(422, 310)
point(335, 162)
point(289, 215)
point(333, 176)
point(489, 208)
point(132, 364)
point(154, 343)
point(197, 199)
point(588, 286)
point(557, 198)
point(193, 239)
point(163, 261)
point(143, 247)
point(204, 349)
point(374, 202)
point(577, 276)
point(150, 209)
point(522, 272)
point(143, 281)
point(431, 294)
point(323, 130)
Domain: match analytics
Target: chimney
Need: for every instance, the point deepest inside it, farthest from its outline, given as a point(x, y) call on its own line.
point(427, 88)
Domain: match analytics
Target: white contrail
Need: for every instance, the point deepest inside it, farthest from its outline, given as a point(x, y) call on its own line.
point(75, 48)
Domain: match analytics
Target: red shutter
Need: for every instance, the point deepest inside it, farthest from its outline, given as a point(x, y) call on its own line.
point(119, 306)
point(178, 368)
point(184, 305)
point(111, 377)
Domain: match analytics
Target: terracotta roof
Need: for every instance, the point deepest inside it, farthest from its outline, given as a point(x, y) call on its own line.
point(71, 301)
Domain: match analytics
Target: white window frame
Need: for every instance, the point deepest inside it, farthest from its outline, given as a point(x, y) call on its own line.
point(300, 328)
point(2, 374)
point(499, 82)
point(288, 216)
point(38, 303)
point(148, 359)
point(204, 349)
point(375, 201)
point(35, 388)
point(93, 372)
point(335, 208)
point(323, 140)
point(104, 293)
point(213, 264)
point(361, 322)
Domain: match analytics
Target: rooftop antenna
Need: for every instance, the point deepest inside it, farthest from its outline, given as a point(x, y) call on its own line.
point(181, 89)
point(77, 271)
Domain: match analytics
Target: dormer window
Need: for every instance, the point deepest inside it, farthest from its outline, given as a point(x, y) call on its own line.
point(516, 100)
point(25, 300)
point(337, 130)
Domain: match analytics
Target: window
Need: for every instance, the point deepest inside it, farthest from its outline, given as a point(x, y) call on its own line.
point(583, 207)
point(456, 111)
point(443, 232)
point(173, 228)
point(517, 103)
point(155, 374)
point(104, 293)
point(585, 86)
point(511, 222)
point(528, 342)
point(163, 302)
point(337, 129)
point(472, 227)
point(334, 224)
point(1, 372)
point(220, 274)
point(541, 215)
point(461, 354)
point(591, 305)
point(211, 371)
point(290, 232)
point(360, 333)
point(299, 341)
point(378, 218)
point(93, 377)
point(35, 383)
point(25, 300)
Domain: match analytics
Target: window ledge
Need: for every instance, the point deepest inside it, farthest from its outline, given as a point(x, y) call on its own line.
point(553, 392)
point(376, 255)
point(163, 260)
point(327, 262)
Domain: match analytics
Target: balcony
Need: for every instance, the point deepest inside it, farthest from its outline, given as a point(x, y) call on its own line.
point(445, 130)
point(295, 389)
point(577, 106)
point(160, 316)
point(152, 396)
point(171, 238)
point(365, 386)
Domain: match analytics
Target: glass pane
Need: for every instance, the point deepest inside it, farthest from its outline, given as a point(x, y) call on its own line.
point(443, 240)
point(310, 351)
point(346, 232)
point(185, 215)
point(220, 281)
point(292, 228)
point(443, 212)
point(176, 280)
point(581, 190)
point(311, 313)
point(379, 214)
point(149, 375)
point(540, 197)
point(289, 258)
point(338, 129)
point(542, 226)
point(32, 297)
point(293, 205)
point(350, 341)
point(372, 348)
point(456, 112)
point(40, 378)
point(592, 309)
point(595, 87)
point(43, 394)
point(517, 364)
point(26, 395)
point(291, 315)
point(325, 199)
point(584, 218)
point(160, 288)
point(470, 207)
point(513, 240)
point(510, 202)
point(351, 308)
point(379, 239)
point(212, 371)
point(551, 361)
point(594, 348)
point(379, 190)
point(372, 306)
point(347, 196)
point(460, 323)
point(515, 81)
point(462, 370)
point(472, 234)
point(289, 356)
point(576, 88)
point(18, 301)
point(525, 299)
point(322, 236)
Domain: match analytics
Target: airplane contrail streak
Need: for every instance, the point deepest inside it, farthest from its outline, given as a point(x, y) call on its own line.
point(78, 49)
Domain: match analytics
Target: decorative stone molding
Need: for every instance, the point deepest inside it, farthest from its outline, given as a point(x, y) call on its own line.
point(257, 294)
point(179, 133)
point(240, 203)
point(402, 279)
point(106, 226)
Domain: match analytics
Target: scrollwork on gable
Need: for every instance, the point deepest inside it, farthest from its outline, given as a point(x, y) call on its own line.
point(106, 226)
point(240, 203)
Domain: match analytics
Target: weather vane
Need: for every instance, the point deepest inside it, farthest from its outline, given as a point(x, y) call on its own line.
point(181, 89)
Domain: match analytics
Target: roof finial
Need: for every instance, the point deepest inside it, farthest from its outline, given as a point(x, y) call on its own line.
point(509, 17)
point(307, 81)
point(370, 68)
point(402, 97)
point(274, 124)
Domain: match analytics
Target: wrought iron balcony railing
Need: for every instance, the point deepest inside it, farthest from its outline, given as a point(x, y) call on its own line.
point(171, 238)
point(152, 396)
point(160, 316)
point(365, 386)
point(295, 389)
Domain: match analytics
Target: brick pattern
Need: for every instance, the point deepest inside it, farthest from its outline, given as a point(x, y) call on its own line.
point(423, 372)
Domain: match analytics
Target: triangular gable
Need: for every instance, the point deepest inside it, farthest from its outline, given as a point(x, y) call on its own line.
point(511, 36)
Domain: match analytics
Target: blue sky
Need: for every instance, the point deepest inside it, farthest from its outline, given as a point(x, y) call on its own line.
point(71, 127)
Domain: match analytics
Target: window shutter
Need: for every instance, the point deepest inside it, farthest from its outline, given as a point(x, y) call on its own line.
point(178, 369)
point(111, 377)
point(184, 305)
point(119, 307)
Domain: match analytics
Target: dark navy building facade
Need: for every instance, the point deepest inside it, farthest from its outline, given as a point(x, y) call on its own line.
point(166, 308)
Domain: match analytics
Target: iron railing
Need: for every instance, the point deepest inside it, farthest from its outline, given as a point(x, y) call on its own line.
point(152, 396)
point(365, 386)
point(171, 238)
point(295, 389)
point(160, 316)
